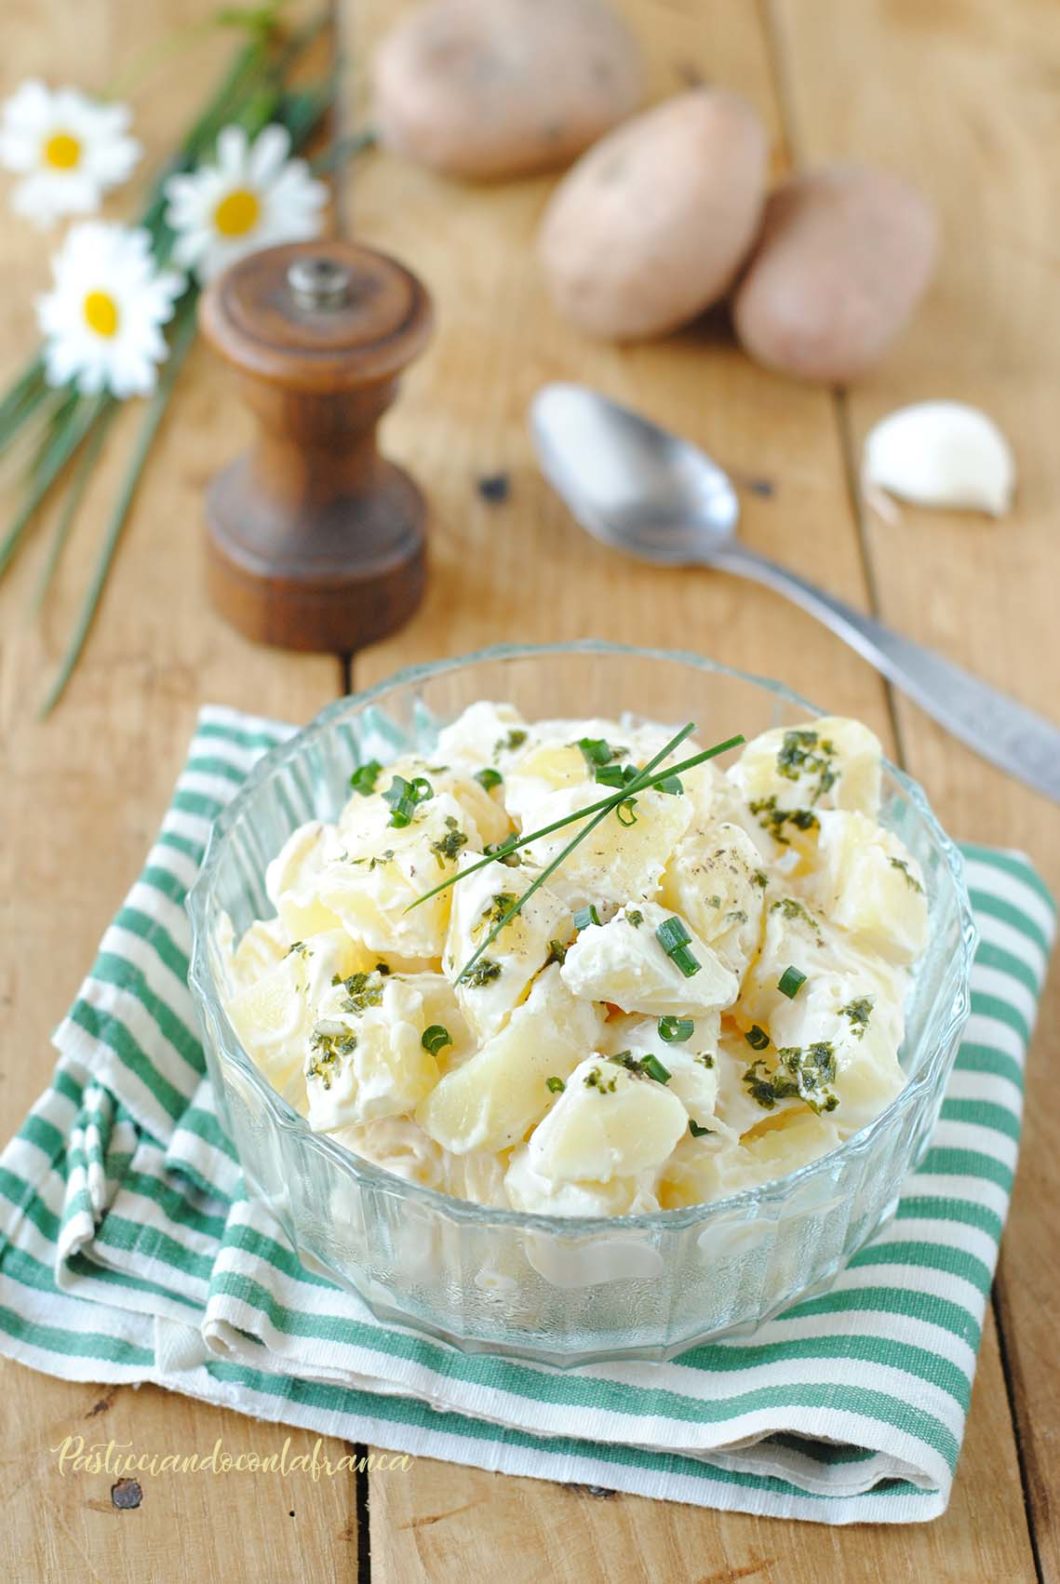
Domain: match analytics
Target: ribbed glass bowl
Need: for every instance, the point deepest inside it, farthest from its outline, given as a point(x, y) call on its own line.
point(558, 1290)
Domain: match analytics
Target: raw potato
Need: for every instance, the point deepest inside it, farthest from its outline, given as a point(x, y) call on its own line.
point(490, 88)
point(651, 226)
point(846, 254)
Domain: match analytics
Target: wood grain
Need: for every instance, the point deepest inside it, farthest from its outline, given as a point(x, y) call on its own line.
point(80, 800)
point(440, 1523)
point(952, 90)
point(977, 87)
point(524, 569)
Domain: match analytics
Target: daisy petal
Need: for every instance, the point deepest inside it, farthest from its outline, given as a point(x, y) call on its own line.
point(271, 148)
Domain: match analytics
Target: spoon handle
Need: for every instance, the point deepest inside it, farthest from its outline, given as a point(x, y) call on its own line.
point(1020, 742)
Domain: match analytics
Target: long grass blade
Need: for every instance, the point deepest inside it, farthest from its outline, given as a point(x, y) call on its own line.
point(638, 784)
point(620, 795)
point(65, 521)
point(344, 149)
point(181, 345)
point(21, 400)
point(47, 469)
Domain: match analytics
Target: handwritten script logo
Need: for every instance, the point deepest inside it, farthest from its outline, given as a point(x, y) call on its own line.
point(120, 1458)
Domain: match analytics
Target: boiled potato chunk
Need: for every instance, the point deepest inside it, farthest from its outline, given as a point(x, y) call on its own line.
point(365, 1059)
point(797, 935)
point(790, 773)
point(491, 1100)
point(292, 879)
point(272, 1017)
point(260, 948)
point(615, 862)
point(716, 881)
point(529, 1191)
point(857, 1018)
point(608, 1122)
point(692, 1063)
point(441, 1009)
point(792, 1139)
point(480, 734)
point(372, 890)
point(623, 962)
point(709, 1167)
point(519, 951)
point(872, 886)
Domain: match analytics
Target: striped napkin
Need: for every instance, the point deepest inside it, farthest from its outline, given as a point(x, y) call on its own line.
point(129, 1252)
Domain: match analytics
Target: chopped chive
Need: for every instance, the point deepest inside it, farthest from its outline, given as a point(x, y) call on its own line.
point(557, 953)
point(791, 982)
point(756, 1037)
point(495, 852)
point(586, 916)
point(596, 751)
point(489, 778)
point(635, 917)
point(654, 1068)
point(364, 778)
point(695, 1129)
point(480, 970)
point(404, 797)
point(671, 934)
point(676, 1030)
point(615, 775)
point(435, 1038)
point(674, 786)
point(688, 963)
point(555, 1085)
point(625, 813)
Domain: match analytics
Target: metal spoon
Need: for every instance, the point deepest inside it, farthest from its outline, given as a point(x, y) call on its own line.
point(639, 489)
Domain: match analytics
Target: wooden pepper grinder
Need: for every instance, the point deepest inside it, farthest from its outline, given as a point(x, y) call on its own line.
point(315, 540)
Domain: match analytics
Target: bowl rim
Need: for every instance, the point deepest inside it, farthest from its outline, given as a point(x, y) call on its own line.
point(755, 1200)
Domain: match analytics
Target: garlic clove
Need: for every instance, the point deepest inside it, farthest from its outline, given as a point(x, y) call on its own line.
point(941, 453)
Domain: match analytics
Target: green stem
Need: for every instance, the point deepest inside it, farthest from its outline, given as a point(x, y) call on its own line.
point(639, 784)
point(21, 400)
point(619, 796)
point(47, 469)
point(181, 345)
point(344, 149)
point(75, 494)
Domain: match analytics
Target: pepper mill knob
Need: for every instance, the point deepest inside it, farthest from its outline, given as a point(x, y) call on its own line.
point(315, 541)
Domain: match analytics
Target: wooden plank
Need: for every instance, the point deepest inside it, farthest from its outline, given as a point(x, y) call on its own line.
point(963, 99)
point(439, 1525)
point(523, 570)
point(80, 798)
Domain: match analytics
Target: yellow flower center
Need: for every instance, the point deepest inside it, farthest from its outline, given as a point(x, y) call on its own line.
point(237, 213)
point(62, 152)
point(101, 313)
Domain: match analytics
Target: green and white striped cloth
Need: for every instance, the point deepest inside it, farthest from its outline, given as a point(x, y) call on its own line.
point(128, 1252)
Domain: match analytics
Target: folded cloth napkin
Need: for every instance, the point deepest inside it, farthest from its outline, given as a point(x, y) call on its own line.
point(130, 1252)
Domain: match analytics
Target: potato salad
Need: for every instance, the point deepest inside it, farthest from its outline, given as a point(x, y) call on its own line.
point(555, 967)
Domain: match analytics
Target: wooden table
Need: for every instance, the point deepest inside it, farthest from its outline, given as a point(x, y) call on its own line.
point(959, 94)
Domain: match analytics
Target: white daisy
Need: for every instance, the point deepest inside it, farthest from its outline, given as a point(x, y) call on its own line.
point(68, 150)
point(101, 321)
point(253, 197)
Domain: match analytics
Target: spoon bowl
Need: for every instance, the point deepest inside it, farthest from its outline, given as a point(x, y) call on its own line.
point(628, 482)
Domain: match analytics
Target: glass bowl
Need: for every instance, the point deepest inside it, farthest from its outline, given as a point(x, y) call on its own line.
point(562, 1291)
